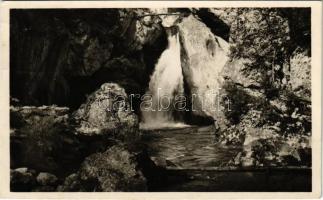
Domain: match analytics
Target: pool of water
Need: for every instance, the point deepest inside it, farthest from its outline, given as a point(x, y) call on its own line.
point(192, 161)
point(190, 147)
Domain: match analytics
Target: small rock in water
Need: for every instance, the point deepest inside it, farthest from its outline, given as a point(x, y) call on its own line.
point(170, 163)
point(159, 161)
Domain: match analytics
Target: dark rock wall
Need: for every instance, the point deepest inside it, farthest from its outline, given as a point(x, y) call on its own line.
point(59, 56)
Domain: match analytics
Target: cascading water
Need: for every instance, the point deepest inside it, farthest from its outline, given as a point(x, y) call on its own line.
point(166, 84)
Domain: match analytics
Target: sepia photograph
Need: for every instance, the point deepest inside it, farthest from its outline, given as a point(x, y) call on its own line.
point(161, 99)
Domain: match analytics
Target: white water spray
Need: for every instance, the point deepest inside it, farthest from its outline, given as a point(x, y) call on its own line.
point(165, 84)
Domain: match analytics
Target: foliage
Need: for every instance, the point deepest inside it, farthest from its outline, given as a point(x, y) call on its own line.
point(239, 100)
point(262, 37)
point(264, 149)
point(300, 73)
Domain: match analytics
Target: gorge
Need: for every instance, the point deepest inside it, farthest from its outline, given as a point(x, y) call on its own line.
point(67, 66)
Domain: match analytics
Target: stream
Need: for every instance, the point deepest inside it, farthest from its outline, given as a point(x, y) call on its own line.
point(193, 161)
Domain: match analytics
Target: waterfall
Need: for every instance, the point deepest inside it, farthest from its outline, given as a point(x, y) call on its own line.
point(166, 83)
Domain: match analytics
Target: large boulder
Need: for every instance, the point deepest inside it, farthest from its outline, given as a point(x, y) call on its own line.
point(107, 111)
point(116, 169)
point(203, 57)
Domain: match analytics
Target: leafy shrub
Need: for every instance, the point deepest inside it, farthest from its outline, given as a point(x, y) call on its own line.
point(261, 35)
point(238, 102)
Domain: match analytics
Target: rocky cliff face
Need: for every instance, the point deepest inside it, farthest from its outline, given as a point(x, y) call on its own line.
point(59, 56)
point(203, 58)
point(267, 114)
